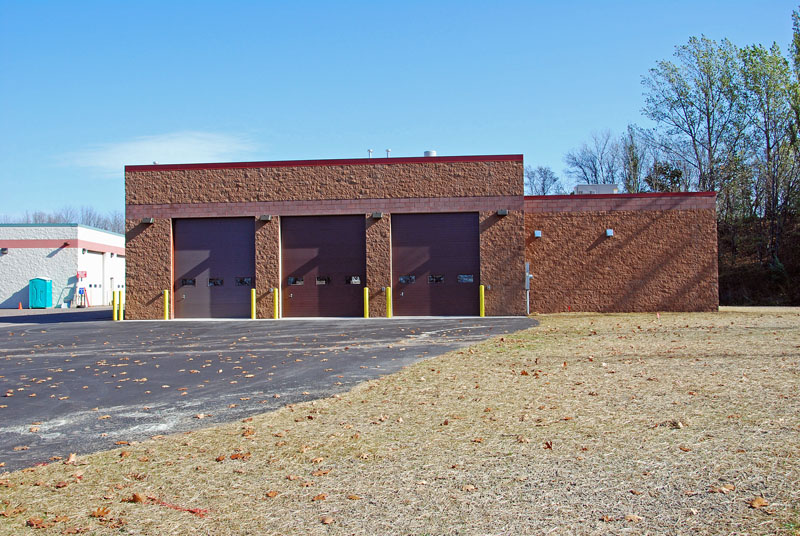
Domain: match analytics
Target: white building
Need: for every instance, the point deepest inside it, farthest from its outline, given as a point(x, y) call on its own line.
point(591, 189)
point(73, 256)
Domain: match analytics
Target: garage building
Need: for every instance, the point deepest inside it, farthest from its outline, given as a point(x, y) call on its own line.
point(309, 236)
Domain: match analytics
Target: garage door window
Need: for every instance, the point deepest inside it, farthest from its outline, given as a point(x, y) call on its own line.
point(188, 282)
point(407, 279)
point(296, 281)
point(215, 281)
point(466, 278)
point(244, 281)
point(435, 279)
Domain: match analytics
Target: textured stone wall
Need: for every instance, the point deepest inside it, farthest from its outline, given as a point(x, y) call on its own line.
point(379, 262)
point(154, 185)
point(502, 262)
point(268, 266)
point(657, 260)
point(148, 268)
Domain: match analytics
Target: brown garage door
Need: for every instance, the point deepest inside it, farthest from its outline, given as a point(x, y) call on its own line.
point(214, 267)
point(324, 265)
point(435, 264)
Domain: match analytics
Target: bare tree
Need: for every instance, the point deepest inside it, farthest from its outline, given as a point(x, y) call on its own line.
point(596, 162)
point(113, 221)
point(542, 180)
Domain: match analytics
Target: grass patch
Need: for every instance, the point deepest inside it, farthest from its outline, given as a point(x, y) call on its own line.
point(586, 424)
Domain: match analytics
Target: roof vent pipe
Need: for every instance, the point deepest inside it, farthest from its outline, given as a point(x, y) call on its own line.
point(430, 153)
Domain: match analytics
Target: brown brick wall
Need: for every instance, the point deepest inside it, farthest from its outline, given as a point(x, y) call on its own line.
point(267, 266)
point(379, 262)
point(148, 268)
point(163, 185)
point(657, 260)
point(502, 262)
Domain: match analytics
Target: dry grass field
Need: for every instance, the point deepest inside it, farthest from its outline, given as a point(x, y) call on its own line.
point(587, 424)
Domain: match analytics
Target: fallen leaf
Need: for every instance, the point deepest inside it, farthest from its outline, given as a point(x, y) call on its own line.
point(202, 415)
point(317, 460)
point(22, 447)
point(326, 520)
point(724, 489)
point(633, 518)
point(61, 484)
point(124, 454)
point(758, 502)
point(135, 498)
point(102, 511)
point(685, 449)
point(468, 487)
point(292, 477)
point(320, 472)
point(71, 459)
point(354, 497)
point(220, 458)
point(548, 445)
point(103, 417)
point(320, 497)
point(522, 439)
point(37, 523)
point(478, 440)
point(272, 493)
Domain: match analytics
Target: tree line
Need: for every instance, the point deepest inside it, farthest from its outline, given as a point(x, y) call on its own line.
point(726, 119)
point(113, 221)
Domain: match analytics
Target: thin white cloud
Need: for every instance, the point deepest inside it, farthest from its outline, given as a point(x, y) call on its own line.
point(172, 148)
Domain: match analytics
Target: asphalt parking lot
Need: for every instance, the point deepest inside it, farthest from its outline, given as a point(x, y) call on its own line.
point(77, 382)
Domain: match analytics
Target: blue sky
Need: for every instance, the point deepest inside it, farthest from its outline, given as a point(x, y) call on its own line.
point(87, 87)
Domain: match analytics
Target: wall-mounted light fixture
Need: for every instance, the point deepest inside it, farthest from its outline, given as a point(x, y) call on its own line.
point(65, 244)
point(265, 217)
point(609, 232)
point(502, 212)
point(537, 234)
point(148, 221)
point(377, 215)
point(83, 251)
point(3, 251)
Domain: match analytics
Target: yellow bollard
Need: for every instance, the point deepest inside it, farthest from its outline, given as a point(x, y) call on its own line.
point(114, 314)
point(121, 305)
point(166, 305)
point(252, 304)
point(275, 303)
point(482, 300)
point(366, 302)
point(388, 302)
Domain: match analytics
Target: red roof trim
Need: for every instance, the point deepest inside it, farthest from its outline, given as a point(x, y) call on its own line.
point(623, 196)
point(335, 162)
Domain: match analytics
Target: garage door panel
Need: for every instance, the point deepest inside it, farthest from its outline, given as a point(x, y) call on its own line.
point(440, 252)
point(331, 248)
point(210, 254)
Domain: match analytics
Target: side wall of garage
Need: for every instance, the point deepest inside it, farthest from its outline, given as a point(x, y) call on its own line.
point(483, 184)
point(662, 255)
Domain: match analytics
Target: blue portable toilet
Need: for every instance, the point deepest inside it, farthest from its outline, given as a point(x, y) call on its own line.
point(40, 293)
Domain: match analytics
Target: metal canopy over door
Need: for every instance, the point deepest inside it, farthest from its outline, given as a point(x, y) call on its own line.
point(435, 264)
point(324, 262)
point(214, 267)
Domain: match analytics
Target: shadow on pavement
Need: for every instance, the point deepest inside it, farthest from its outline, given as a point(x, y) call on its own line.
point(54, 316)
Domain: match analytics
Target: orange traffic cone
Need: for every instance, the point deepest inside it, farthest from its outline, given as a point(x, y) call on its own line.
point(20, 305)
